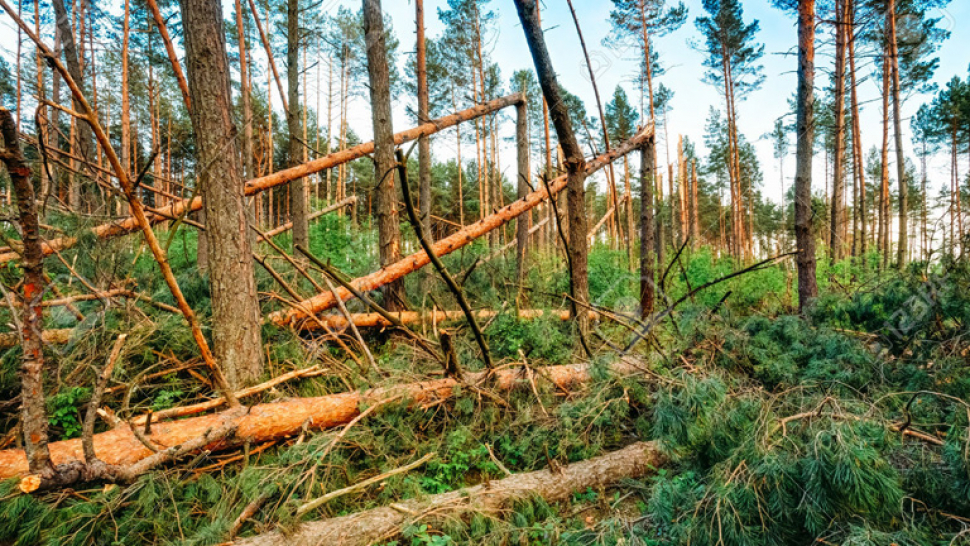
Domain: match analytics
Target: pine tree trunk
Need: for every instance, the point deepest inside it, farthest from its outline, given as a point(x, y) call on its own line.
point(884, 206)
point(903, 244)
point(84, 141)
point(388, 225)
point(805, 127)
point(647, 157)
point(236, 318)
point(522, 172)
point(838, 169)
point(424, 143)
point(33, 412)
point(297, 187)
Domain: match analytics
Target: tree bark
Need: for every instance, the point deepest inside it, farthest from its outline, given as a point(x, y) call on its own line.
point(575, 163)
point(903, 234)
point(647, 158)
point(379, 524)
point(858, 167)
point(388, 224)
point(33, 411)
point(236, 318)
point(522, 175)
point(298, 199)
point(244, 94)
point(805, 125)
point(838, 179)
point(884, 206)
point(424, 143)
point(85, 144)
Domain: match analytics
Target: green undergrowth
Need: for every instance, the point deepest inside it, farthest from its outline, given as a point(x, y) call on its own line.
point(780, 430)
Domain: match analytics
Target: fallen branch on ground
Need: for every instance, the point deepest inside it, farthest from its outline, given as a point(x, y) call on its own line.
point(381, 524)
point(276, 420)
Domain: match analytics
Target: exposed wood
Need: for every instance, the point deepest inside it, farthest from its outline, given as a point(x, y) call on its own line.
point(456, 240)
point(272, 421)
point(552, 484)
point(257, 185)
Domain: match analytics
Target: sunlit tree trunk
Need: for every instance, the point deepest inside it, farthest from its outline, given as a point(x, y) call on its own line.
point(805, 127)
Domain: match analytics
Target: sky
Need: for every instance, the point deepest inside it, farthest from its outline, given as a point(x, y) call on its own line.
point(678, 53)
point(685, 71)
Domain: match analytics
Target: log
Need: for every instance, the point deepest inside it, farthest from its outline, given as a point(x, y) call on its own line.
point(554, 485)
point(453, 242)
point(257, 185)
point(289, 225)
point(277, 420)
point(375, 320)
point(334, 322)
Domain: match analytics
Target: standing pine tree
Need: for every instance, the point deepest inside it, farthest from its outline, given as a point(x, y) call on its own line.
point(733, 62)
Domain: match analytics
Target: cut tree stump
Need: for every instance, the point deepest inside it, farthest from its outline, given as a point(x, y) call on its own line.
point(553, 485)
point(276, 420)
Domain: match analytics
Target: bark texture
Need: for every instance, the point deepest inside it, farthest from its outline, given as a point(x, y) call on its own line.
point(381, 524)
point(236, 319)
point(903, 247)
point(33, 411)
point(298, 197)
point(388, 222)
point(522, 173)
point(647, 254)
point(805, 126)
point(276, 420)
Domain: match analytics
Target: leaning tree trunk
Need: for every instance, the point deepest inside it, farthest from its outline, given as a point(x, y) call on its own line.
point(33, 412)
point(575, 163)
point(805, 125)
point(552, 484)
point(388, 225)
point(298, 199)
point(236, 318)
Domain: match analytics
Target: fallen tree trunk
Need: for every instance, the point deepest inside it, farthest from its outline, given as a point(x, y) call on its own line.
point(257, 185)
point(375, 320)
point(334, 322)
point(289, 225)
point(381, 524)
point(276, 420)
point(454, 241)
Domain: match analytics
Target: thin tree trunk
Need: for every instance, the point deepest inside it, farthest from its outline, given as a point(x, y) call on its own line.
point(244, 95)
point(388, 225)
point(903, 234)
point(236, 318)
point(84, 141)
point(523, 174)
point(424, 143)
point(805, 127)
point(838, 184)
point(861, 205)
point(297, 187)
point(884, 206)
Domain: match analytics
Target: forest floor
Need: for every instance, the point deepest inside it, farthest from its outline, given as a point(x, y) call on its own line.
point(847, 427)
